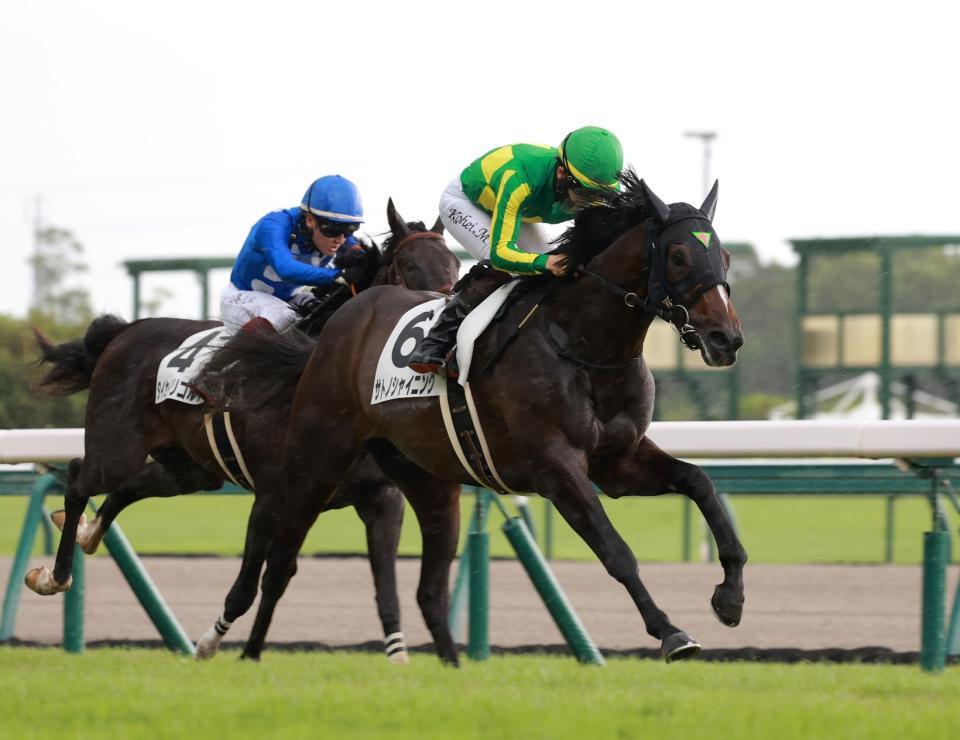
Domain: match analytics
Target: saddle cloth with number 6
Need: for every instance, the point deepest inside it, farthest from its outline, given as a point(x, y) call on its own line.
point(179, 368)
point(395, 380)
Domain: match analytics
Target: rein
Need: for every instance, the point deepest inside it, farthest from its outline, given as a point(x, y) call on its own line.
point(674, 314)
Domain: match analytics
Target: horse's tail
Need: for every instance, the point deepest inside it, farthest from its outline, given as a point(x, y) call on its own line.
point(256, 370)
point(73, 362)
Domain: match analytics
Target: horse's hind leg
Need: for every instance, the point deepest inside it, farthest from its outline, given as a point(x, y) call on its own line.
point(380, 506)
point(652, 472)
point(436, 503)
point(173, 474)
point(41, 580)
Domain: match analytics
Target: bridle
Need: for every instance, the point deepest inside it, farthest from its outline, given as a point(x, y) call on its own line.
point(394, 275)
point(675, 314)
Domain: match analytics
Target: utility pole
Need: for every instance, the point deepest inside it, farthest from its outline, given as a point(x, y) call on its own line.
point(37, 228)
point(707, 138)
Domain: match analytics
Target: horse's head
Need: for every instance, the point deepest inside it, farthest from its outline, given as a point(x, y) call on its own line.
point(416, 258)
point(688, 267)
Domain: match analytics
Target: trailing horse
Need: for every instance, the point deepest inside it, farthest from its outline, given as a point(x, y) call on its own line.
point(563, 398)
point(118, 362)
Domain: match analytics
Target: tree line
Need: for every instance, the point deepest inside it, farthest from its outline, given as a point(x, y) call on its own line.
point(765, 297)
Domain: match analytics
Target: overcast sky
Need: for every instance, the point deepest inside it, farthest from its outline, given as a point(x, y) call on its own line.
point(168, 129)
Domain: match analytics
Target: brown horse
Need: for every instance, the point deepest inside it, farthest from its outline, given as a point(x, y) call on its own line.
point(118, 362)
point(566, 402)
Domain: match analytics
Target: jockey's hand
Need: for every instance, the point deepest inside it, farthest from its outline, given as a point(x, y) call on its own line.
point(557, 264)
point(304, 303)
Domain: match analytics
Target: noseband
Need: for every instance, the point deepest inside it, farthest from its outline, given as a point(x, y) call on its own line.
point(395, 274)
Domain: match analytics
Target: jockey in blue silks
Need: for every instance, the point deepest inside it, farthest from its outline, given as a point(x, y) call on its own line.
point(289, 249)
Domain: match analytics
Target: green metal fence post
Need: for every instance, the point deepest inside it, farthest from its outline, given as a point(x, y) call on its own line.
point(550, 592)
point(548, 529)
point(953, 631)
point(888, 529)
point(478, 644)
point(11, 600)
point(73, 625)
point(687, 516)
point(932, 639)
point(523, 506)
point(460, 599)
point(146, 591)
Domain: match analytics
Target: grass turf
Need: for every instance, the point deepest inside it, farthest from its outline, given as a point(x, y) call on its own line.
point(142, 693)
point(797, 529)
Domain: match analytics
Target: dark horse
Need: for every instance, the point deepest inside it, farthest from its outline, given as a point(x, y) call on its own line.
point(118, 362)
point(567, 402)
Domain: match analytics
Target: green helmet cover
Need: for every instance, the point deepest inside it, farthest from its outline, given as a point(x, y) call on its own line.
point(594, 157)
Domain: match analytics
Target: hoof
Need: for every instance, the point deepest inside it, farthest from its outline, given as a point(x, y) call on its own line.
point(400, 657)
point(41, 581)
point(89, 536)
point(59, 516)
point(207, 646)
point(679, 646)
point(727, 609)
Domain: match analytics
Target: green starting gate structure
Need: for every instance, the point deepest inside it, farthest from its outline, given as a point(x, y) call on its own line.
point(841, 342)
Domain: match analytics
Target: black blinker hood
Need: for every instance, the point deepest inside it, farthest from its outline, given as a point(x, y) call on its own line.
point(686, 225)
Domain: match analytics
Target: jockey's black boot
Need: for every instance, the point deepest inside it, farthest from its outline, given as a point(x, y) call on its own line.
point(432, 353)
point(469, 292)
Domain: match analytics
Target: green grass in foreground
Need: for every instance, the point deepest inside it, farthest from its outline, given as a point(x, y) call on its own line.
point(141, 693)
point(800, 529)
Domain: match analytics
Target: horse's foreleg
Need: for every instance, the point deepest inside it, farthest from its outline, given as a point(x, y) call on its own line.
point(562, 478)
point(652, 472)
point(380, 506)
point(244, 590)
point(313, 472)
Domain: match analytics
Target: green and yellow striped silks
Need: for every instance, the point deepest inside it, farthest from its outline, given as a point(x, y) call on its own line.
point(515, 185)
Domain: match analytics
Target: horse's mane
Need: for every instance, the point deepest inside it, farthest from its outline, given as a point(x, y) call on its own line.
point(610, 213)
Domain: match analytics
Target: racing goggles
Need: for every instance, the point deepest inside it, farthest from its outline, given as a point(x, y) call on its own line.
point(331, 229)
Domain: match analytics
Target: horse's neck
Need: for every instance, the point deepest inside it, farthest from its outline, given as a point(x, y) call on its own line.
point(613, 331)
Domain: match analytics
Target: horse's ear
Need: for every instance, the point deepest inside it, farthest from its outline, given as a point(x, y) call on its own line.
point(709, 206)
point(437, 227)
point(397, 225)
point(660, 209)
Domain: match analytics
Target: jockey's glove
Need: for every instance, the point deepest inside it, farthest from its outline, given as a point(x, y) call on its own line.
point(304, 303)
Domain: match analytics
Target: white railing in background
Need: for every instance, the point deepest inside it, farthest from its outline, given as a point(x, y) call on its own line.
point(699, 439)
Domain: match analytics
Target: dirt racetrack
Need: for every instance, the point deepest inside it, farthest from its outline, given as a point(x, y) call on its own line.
point(330, 601)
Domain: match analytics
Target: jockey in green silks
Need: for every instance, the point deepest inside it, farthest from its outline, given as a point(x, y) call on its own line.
point(492, 209)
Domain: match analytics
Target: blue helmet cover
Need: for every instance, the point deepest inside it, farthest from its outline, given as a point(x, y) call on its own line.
point(334, 198)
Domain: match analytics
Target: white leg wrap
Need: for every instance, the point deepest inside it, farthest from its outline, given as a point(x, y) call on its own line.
point(209, 643)
point(396, 648)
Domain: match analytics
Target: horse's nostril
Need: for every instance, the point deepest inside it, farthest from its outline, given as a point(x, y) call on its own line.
point(719, 340)
point(724, 342)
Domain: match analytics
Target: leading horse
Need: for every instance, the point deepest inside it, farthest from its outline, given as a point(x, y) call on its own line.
point(568, 401)
point(118, 362)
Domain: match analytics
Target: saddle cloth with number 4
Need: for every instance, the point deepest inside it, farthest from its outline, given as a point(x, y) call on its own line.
point(179, 368)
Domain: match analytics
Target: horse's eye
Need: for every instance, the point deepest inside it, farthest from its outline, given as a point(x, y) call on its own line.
point(678, 259)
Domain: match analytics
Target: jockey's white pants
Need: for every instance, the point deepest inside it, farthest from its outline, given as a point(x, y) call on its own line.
point(237, 307)
point(469, 224)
